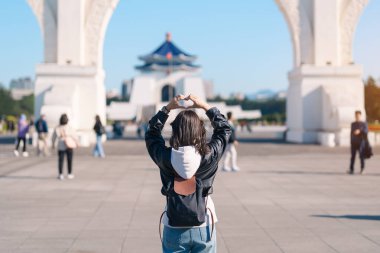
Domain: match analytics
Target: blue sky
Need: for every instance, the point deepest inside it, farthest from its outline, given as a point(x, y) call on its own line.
point(242, 46)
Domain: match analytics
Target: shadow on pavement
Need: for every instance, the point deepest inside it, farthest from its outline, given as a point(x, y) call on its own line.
point(308, 172)
point(26, 177)
point(298, 172)
point(349, 216)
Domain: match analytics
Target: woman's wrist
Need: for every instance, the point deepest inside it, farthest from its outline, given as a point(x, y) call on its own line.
point(206, 107)
point(166, 109)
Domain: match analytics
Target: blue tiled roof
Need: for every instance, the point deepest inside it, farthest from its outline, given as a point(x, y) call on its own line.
point(169, 47)
point(167, 57)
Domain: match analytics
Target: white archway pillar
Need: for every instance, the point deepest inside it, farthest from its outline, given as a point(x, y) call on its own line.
point(325, 86)
point(71, 78)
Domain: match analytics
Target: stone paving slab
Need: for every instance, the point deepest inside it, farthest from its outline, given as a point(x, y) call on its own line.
point(287, 198)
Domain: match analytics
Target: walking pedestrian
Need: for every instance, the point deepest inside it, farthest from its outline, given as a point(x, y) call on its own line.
point(99, 131)
point(42, 131)
point(359, 131)
point(187, 171)
point(141, 129)
point(31, 131)
point(22, 131)
point(10, 124)
point(67, 142)
point(230, 156)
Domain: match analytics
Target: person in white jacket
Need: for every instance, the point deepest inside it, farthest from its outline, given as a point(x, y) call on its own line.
point(67, 142)
point(231, 154)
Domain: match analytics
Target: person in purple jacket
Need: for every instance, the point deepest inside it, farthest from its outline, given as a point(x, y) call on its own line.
point(23, 129)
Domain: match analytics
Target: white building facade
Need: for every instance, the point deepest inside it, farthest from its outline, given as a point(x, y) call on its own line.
point(166, 72)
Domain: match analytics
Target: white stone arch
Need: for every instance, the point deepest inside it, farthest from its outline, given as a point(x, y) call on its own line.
point(351, 11)
point(97, 16)
point(297, 14)
point(320, 59)
point(99, 12)
point(290, 11)
point(97, 20)
point(300, 28)
point(46, 14)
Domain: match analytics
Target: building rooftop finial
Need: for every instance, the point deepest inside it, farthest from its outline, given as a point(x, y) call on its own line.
point(168, 36)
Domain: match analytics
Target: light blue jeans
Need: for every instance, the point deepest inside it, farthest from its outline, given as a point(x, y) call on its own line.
point(194, 240)
point(98, 150)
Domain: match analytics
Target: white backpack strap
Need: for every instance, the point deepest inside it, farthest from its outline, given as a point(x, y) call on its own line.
point(159, 225)
point(212, 219)
point(212, 222)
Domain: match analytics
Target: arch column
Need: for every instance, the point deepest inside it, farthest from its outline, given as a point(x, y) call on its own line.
point(325, 86)
point(71, 78)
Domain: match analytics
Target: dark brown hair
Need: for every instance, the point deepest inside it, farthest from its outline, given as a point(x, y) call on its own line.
point(63, 119)
point(97, 119)
point(229, 115)
point(358, 112)
point(189, 130)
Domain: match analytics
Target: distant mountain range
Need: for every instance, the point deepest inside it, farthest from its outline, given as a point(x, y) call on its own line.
point(266, 94)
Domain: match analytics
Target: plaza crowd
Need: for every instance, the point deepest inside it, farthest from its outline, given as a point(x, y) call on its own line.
point(63, 138)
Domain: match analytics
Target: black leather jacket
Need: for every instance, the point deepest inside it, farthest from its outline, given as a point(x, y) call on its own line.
point(161, 154)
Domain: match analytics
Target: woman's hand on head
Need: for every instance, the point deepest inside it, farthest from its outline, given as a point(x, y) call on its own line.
point(198, 103)
point(174, 103)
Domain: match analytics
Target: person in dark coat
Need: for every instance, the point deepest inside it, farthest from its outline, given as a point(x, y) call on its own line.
point(42, 131)
point(99, 131)
point(359, 131)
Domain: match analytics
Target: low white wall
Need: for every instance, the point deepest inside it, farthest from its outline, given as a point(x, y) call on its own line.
point(374, 138)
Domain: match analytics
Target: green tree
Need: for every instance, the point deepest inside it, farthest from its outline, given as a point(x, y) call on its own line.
point(9, 106)
point(26, 105)
point(372, 99)
point(273, 110)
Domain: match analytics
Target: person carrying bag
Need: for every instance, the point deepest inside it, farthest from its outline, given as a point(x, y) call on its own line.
point(67, 142)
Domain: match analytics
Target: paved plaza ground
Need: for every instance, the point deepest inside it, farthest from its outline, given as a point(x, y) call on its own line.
point(287, 198)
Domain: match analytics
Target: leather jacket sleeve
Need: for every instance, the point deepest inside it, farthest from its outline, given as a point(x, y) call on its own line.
point(221, 134)
point(217, 144)
point(155, 143)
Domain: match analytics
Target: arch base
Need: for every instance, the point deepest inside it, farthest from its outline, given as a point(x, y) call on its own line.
point(321, 103)
point(75, 90)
